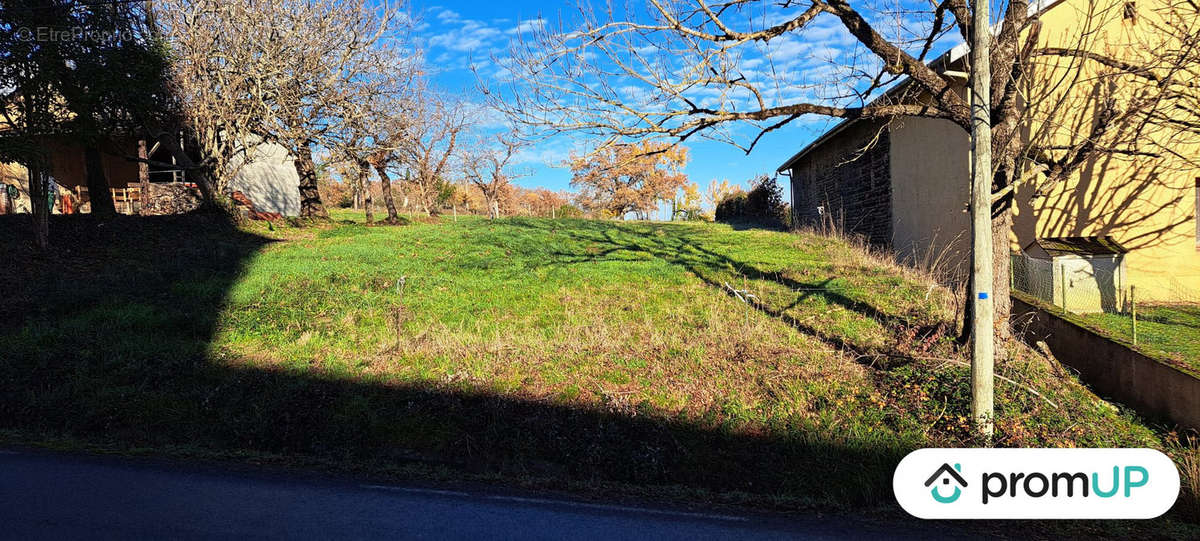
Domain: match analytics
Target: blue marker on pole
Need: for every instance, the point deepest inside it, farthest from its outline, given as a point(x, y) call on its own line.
point(983, 295)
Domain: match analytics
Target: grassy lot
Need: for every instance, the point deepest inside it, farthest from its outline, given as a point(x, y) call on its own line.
point(1170, 331)
point(563, 353)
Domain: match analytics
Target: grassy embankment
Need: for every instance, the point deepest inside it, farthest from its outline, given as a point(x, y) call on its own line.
point(561, 353)
point(1167, 331)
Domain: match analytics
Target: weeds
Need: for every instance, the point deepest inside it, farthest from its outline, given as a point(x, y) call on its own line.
point(589, 352)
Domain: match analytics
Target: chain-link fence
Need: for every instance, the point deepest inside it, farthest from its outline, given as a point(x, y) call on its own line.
point(1078, 284)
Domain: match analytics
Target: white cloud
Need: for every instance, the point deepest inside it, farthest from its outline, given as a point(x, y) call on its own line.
point(469, 36)
point(531, 25)
point(447, 15)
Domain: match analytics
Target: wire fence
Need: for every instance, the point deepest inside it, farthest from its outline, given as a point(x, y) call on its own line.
point(1078, 285)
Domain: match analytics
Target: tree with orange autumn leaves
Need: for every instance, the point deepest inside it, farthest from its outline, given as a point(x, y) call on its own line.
point(621, 179)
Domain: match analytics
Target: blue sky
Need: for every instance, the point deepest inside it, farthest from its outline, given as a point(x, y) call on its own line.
point(457, 33)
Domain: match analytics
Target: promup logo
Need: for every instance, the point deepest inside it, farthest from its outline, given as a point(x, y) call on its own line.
point(1036, 483)
point(946, 474)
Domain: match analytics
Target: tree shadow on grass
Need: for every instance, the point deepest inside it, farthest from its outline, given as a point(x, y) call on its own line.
point(110, 340)
point(610, 241)
point(1174, 318)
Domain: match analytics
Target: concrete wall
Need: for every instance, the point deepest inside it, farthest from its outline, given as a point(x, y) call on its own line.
point(930, 176)
point(269, 180)
point(844, 183)
point(1113, 370)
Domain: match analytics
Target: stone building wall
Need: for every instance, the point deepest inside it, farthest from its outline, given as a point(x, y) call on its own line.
point(845, 183)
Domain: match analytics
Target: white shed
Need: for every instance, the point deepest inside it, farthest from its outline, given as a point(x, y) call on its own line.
point(1079, 274)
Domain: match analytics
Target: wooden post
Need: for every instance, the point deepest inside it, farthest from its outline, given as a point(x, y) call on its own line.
point(1062, 279)
point(143, 177)
point(983, 334)
point(1133, 312)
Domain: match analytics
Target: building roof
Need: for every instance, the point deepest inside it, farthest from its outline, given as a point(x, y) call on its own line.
point(1076, 246)
point(939, 64)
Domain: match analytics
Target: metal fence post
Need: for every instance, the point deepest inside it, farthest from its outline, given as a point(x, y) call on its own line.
point(1133, 312)
point(1062, 277)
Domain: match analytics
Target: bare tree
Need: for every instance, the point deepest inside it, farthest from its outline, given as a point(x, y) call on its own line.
point(487, 166)
point(388, 134)
point(737, 70)
point(366, 133)
point(426, 144)
point(315, 60)
point(249, 72)
point(213, 81)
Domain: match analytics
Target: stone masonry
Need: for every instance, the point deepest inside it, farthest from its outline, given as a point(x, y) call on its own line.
point(845, 183)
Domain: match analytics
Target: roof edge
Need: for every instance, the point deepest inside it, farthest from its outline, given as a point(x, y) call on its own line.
point(957, 52)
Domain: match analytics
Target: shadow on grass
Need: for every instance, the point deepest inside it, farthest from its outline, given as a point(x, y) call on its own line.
point(110, 340)
point(1175, 317)
point(749, 225)
point(610, 240)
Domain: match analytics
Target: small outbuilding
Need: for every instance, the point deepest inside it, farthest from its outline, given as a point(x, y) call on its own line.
point(1079, 274)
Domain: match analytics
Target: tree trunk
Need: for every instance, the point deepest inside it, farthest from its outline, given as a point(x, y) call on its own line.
point(39, 208)
point(364, 178)
point(388, 201)
point(356, 195)
point(1001, 286)
point(1002, 277)
point(143, 178)
point(310, 197)
point(98, 191)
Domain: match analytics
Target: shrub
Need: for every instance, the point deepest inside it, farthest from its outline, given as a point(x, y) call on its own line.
point(569, 211)
point(762, 204)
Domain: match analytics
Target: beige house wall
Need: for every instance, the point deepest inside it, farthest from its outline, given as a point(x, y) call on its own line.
point(930, 180)
point(1148, 204)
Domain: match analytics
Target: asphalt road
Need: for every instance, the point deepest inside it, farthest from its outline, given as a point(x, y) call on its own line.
point(53, 496)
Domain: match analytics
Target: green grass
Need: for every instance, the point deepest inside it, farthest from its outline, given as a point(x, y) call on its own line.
point(1168, 331)
point(565, 352)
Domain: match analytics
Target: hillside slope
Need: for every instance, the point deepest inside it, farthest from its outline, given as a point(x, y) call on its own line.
point(569, 352)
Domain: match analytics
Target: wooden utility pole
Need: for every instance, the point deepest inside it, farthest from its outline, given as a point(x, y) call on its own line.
point(982, 324)
point(143, 178)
